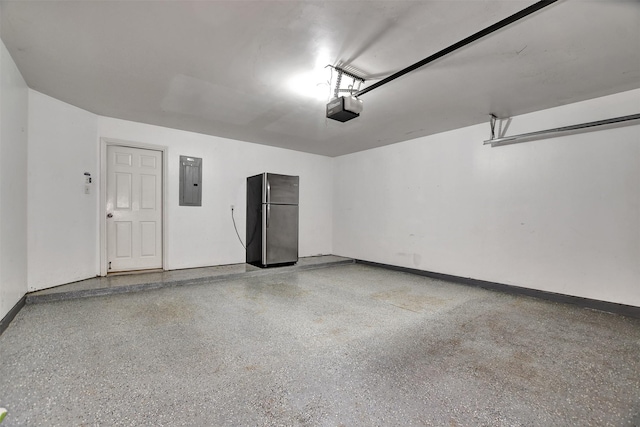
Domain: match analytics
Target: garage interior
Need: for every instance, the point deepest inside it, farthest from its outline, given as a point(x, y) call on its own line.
point(448, 274)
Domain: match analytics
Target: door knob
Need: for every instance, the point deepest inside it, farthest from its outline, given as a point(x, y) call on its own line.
point(109, 215)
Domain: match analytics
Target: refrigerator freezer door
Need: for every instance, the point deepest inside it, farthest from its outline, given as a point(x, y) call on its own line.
point(281, 189)
point(254, 220)
point(281, 234)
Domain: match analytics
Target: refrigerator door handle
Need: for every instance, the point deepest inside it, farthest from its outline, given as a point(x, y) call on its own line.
point(268, 190)
point(268, 213)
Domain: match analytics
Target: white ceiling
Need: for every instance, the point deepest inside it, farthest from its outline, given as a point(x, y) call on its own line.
point(227, 68)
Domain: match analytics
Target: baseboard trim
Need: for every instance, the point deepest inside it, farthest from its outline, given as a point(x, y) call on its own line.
point(4, 323)
point(610, 307)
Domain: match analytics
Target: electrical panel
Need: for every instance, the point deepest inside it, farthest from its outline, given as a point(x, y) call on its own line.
point(190, 181)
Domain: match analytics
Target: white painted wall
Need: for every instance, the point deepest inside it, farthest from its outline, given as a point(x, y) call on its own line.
point(63, 234)
point(13, 183)
point(559, 215)
point(62, 218)
point(204, 236)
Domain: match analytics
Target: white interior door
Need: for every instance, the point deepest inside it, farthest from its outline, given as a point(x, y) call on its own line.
point(133, 209)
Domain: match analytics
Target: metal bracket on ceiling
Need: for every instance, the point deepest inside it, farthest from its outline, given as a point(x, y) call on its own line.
point(502, 123)
point(492, 123)
point(351, 89)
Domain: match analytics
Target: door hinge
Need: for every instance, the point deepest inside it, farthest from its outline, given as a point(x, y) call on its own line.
point(109, 265)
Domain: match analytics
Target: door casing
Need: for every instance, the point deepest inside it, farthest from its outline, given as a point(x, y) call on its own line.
point(102, 210)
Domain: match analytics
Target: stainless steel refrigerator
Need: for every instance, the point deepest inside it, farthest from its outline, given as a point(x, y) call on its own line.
point(272, 219)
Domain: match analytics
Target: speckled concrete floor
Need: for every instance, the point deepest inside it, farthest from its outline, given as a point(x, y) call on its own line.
point(126, 283)
point(349, 345)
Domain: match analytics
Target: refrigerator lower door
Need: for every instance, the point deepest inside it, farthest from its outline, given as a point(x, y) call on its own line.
point(280, 243)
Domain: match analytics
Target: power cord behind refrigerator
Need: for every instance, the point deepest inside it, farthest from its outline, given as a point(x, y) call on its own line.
point(236, 228)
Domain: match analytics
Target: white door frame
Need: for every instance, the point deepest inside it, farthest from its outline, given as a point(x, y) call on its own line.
point(104, 142)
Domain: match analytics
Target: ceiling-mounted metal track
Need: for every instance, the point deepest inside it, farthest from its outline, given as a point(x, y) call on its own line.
point(346, 73)
point(566, 130)
point(491, 29)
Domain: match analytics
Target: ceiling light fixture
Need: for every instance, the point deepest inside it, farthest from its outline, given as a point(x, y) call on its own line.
point(313, 83)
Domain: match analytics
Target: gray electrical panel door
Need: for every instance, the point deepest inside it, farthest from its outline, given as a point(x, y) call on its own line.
point(190, 181)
